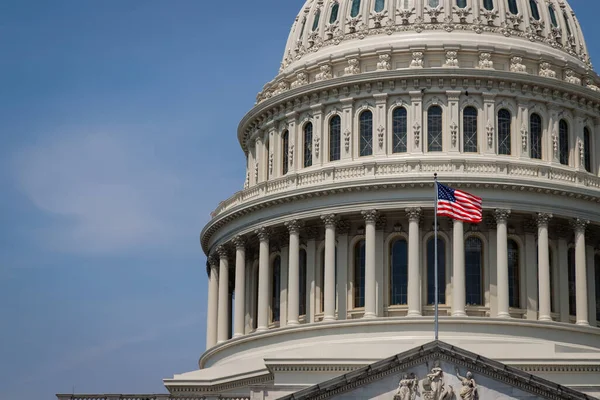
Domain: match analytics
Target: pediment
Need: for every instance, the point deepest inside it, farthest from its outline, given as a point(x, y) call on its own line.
point(437, 371)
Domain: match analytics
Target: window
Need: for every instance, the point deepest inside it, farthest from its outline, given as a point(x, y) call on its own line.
point(597, 267)
point(366, 133)
point(276, 288)
point(512, 7)
point(399, 130)
point(488, 4)
point(535, 135)
point(461, 3)
point(355, 8)
point(406, 4)
point(316, 20)
point(567, 24)
point(268, 151)
point(587, 155)
point(379, 5)
point(552, 16)
point(470, 130)
point(474, 271)
point(571, 280)
point(398, 272)
point(434, 3)
point(335, 137)
point(504, 132)
point(335, 9)
point(434, 128)
point(535, 13)
point(431, 271)
point(308, 134)
point(563, 142)
point(302, 283)
point(302, 28)
point(359, 274)
point(514, 286)
point(285, 142)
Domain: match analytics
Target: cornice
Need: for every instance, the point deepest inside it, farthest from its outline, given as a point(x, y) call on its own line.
point(188, 389)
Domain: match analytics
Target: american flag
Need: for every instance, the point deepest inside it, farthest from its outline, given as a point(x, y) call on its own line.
point(459, 205)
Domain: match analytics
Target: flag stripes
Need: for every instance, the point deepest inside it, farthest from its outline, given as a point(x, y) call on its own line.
point(459, 205)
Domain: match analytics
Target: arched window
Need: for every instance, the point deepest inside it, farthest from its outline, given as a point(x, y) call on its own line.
point(512, 7)
point(470, 130)
point(379, 5)
point(504, 131)
point(461, 3)
point(434, 3)
point(571, 280)
point(567, 24)
point(308, 135)
point(335, 9)
point(488, 4)
point(552, 16)
point(335, 137)
point(434, 128)
point(514, 285)
point(316, 20)
point(474, 271)
point(355, 8)
point(268, 151)
point(431, 271)
point(276, 288)
point(399, 130)
point(359, 275)
point(398, 272)
point(366, 133)
point(285, 143)
point(535, 135)
point(563, 142)
point(587, 146)
point(597, 268)
point(535, 13)
point(302, 283)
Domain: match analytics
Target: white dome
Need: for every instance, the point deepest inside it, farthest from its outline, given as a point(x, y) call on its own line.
point(529, 25)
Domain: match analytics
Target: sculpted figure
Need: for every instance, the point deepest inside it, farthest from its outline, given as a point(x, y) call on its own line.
point(434, 387)
point(407, 388)
point(469, 387)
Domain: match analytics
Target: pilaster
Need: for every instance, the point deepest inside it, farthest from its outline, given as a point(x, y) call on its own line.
point(318, 136)
point(294, 142)
point(414, 262)
point(452, 138)
point(347, 144)
point(415, 127)
point(522, 141)
point(380, 135)
point(488, 135)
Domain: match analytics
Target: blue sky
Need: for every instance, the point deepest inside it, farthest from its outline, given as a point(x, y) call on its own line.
point(118, 126)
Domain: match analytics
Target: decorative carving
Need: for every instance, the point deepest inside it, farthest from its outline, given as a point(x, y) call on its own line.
point(468, 391)
point(222, 251)
point(581, 150)
point(329, 220)
point(213, 260)
point(381, 222)
point(407, 387)
point(381, 135)
point(343, 227)
point(543, 219)
point(370, 216)
point(490, 134)
point(516, 65)
point(347, 135)
point(317, 146)
point(404, 15)
point(501, 215)
point(282, 87)
point(294, 226)
point(434, 387)
point(454, 133)
point(462, 14)
point(263, 233)
point(417, 129)
point(271, 156)
point(524, 138)
point(555, 144)
point(291, 155)
point(413, 213)
point(579, 225)
point(417, 59)
point(384, 63)
point(485, 61)
point(239, 242)
point(546, 70)
point(324, 74)
point(353, 67)
point(589, 83)
point(571, 78)
point(256, 172)
point(301, 80)
point(247, 181)
point(434, 13)
point(451, 59)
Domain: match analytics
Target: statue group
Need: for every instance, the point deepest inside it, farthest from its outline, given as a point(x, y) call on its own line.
point(434, 387)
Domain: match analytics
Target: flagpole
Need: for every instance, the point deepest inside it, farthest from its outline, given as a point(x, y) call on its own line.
point(435, 227)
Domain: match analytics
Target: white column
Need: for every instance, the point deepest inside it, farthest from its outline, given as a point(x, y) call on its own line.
point(591, 281)
point(459, 279)
point(563, 280)
point(263, 280)
point(529, 290)
point(223, 319)
point(502, 262)
point(311, 256)
point(213, 301)
point(294, 272)
point(240, 286)
point(581, 272)
point(370, 217)
point(248, 324)
point(545, 306)
point(414, 291)
point(329, 285)
point(284, 253)
point(342, 274)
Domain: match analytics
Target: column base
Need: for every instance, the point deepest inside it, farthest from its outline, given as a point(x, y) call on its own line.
point(504, 315)
point(582, 323)
point(237, 335)
point(369, 315)
point(414, 314)
point(328, 318)
point(545, 318)
point(293, 323)
point(459, 314)
point(262, 329)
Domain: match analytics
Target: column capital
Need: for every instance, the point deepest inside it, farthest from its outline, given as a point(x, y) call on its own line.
point(501, 215)
point(213, 260)
point(294, 225)
point(222, 251)
point(543, 219)
point(240, 242)
point(263, 233)
point(343, 227)
point(330, 220)
point(579, 225)
point(381, 222)
point(413, 214)
point(370, 215)
point(311, 232)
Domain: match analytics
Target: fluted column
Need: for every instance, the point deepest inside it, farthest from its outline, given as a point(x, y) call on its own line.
point(213, 302)
point(329, 295)
point(502, 262)
point(414, 276)
point(294, 272)
point(263, 280)
point(370, 217)
point(545, 306)
point(581, 299)
point(459, 292)
point(240, 286)
point(223, 319)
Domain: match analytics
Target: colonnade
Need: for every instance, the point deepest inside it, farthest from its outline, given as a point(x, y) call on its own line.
point(219, 307)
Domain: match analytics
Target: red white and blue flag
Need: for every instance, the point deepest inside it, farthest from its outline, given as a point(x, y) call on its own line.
point(459, 205)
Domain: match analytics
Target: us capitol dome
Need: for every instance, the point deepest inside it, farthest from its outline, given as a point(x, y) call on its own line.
point(321, 268)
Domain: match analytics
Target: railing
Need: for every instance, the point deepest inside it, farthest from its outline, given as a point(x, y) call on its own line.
point(138, 397)
point(413, 168)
